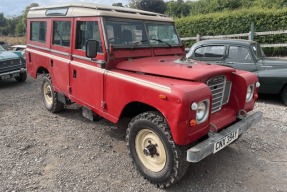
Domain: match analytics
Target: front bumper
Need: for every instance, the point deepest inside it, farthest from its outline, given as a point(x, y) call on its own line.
point(12, 74)
point(205, 148)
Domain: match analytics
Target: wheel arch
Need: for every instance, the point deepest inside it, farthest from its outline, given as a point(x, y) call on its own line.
point(41, 70)
point(135, 108)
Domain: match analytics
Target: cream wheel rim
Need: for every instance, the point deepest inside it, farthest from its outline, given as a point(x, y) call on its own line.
point(48, 93)
point(150, 150)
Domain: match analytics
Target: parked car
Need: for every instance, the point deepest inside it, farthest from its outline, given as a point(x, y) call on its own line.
point(245, 55)
point(125, 64)
point(12, 65)
point(19, 47)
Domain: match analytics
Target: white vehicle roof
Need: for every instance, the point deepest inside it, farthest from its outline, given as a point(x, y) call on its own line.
point(90, 9)
point(19, 46)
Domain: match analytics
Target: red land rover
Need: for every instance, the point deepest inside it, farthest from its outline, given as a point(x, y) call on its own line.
point(125, 63)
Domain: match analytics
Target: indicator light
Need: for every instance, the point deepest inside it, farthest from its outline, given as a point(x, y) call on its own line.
point(164, 97)
point(192, 122)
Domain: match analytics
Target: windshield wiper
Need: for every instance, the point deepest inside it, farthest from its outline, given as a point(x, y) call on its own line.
point(142, 41)
point(161, 41)
point(145, 40)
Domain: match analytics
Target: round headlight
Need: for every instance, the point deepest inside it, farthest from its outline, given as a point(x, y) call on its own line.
point(202, 111)
point(249, 94)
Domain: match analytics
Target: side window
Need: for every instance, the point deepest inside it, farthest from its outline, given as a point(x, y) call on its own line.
point(87, 30)
point(239, 54)
point(199, 52)
point(62, 33)
point(38, 31)
point(216, 51)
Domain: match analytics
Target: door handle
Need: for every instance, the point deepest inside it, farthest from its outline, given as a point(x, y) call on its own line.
point(74, 73)
point(229, 63)
point(218, 62)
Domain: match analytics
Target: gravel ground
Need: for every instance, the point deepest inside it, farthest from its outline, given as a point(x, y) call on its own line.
point(41, 151)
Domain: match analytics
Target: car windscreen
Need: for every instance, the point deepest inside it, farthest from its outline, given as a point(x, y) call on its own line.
point(137, 33)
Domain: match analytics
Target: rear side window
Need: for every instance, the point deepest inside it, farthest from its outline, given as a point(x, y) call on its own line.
point(62, 33)
point(216, 51)
point(87, 30)
point(38, 31)
point(239, 54)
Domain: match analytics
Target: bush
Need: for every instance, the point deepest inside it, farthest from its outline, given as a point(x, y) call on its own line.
point(238, 21)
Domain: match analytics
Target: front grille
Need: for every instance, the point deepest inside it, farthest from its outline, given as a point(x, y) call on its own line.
point(220, 89)
point(9, 63)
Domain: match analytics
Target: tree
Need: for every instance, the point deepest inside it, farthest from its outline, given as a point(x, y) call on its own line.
point(11, 25)
point(21, 25)
point(270, 4)
point(3, 22)
point(177, 9)
point(209, 6)
point(157, 6)
point(118, 4)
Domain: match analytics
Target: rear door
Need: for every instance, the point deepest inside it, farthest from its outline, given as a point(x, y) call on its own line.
point(61, 52)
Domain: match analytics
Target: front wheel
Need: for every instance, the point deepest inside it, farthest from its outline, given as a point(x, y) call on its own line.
point(284, 95)
point(153, 150)
point(22, 77)
point(50, 97)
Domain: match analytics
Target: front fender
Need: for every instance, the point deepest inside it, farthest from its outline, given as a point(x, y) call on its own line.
point(272, 81)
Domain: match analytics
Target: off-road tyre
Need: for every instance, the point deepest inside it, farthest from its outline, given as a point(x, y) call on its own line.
point(22, 77)
point(153, 129)
point(284, 95)
point(50, 97)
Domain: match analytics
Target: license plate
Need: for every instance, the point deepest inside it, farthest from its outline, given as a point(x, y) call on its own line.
point(225, 141)
point(5, 77)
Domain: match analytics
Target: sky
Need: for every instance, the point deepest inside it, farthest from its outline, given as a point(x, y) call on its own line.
point(15, 7)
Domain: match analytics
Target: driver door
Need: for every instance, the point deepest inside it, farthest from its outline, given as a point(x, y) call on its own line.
point(86, 76)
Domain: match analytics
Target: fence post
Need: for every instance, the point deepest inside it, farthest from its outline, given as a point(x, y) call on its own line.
point(197, 37)
point(251, 35)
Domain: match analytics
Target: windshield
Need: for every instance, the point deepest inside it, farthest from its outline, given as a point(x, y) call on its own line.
point(258, 52)
point(137, 33)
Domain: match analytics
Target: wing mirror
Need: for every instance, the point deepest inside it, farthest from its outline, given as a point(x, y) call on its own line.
point(92, 48)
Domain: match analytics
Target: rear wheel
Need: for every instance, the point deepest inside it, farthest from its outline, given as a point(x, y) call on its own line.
point(50, 96)
point(284, 95)
point(153, 150)
point(22, 77)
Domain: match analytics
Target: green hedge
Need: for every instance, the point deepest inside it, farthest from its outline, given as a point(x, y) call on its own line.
point(238, 21)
